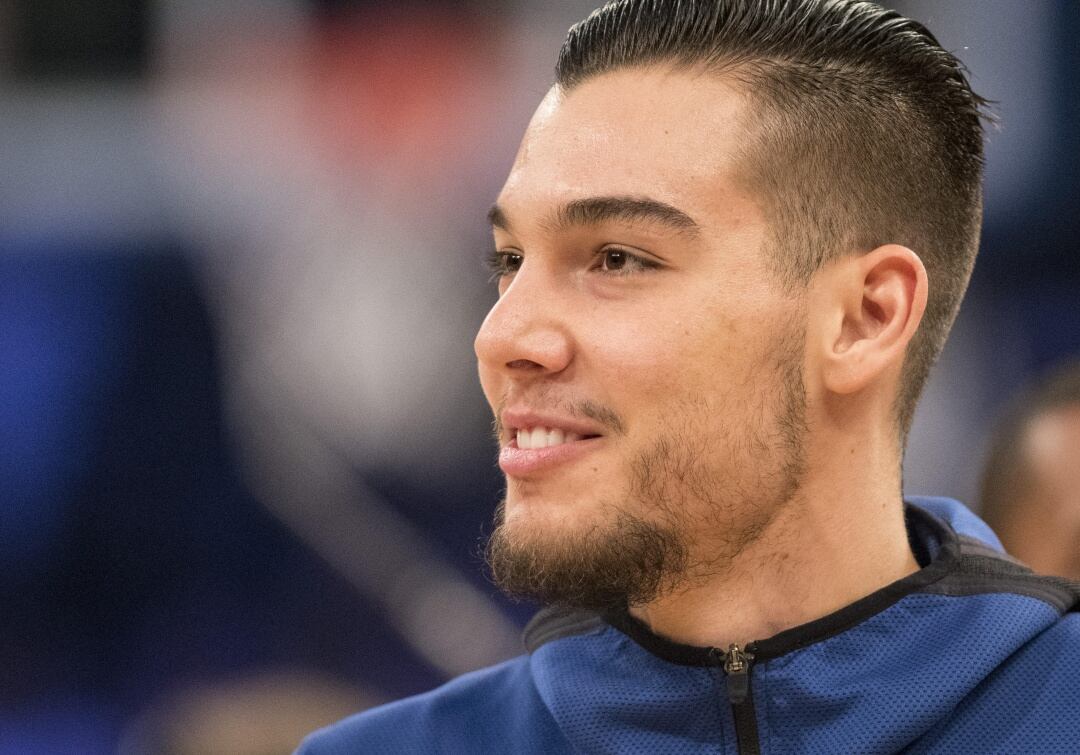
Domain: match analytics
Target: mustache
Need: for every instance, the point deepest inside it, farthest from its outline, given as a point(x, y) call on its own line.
point(604, 416)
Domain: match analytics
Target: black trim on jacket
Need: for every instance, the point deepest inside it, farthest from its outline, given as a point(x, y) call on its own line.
point(961, 566)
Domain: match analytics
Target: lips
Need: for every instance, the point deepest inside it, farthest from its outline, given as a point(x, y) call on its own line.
point(527, 462)
point(535, 443)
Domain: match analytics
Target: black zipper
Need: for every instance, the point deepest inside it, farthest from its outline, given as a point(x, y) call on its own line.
point(736, 663)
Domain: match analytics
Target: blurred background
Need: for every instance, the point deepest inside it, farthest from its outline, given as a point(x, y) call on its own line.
point(244, 460)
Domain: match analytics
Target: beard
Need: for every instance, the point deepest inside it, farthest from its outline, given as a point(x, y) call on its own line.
point(628, 562)
point(694, 500)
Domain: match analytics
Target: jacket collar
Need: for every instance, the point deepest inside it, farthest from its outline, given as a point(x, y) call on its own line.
point(936, 547)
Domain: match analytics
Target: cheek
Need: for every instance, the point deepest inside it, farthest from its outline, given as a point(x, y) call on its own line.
point(634, 372)
point(669, 356)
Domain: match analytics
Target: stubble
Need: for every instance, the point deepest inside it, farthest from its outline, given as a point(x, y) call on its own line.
point(695, 499)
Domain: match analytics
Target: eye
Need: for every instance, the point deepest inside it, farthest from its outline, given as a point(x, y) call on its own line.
point(502, 264)
point(621, 262)
point(615, 259)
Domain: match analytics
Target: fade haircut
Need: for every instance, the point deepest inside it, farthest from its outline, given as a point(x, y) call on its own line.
point(863, 131)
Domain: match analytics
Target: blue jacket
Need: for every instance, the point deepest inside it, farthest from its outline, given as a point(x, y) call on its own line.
point(971, 654)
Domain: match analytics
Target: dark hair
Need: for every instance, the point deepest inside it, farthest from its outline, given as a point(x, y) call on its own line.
point(864, 131)
point(1006, 475)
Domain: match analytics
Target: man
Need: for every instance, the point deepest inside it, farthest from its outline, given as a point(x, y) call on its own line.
point(1031, 482)
point(730, 247)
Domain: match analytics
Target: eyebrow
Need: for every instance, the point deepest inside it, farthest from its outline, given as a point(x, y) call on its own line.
point(597, 210)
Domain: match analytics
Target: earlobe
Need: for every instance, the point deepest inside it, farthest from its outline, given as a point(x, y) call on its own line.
point(879, 300)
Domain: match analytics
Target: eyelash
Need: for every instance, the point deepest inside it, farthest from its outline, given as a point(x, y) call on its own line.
point(498, 262)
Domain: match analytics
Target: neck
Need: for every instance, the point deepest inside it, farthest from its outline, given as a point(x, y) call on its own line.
point(839, 539)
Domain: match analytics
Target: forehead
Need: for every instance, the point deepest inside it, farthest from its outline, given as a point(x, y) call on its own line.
point(675, 136)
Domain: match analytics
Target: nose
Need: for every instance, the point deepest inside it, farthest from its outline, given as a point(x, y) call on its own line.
point(526, 333)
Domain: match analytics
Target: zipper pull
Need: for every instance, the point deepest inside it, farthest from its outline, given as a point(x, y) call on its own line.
point(737, 667)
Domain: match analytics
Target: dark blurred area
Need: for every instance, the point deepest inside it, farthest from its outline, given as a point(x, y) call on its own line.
point(244, 459)
point(78, 39)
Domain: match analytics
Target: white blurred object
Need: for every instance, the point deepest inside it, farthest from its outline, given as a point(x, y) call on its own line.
point(343, 270)
point(344, 285)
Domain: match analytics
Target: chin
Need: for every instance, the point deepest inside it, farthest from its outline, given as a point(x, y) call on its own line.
point(590, 555)
point(534, 513)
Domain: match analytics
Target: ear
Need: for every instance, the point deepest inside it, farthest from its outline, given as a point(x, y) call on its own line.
point(877, 301)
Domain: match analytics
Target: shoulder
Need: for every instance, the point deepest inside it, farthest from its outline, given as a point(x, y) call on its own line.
point(1027, 704)
point(477, 712)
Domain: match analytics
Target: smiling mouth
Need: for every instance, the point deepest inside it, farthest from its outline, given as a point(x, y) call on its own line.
point(528, 439)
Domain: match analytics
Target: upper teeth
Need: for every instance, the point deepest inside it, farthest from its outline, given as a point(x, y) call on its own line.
point(542, 437)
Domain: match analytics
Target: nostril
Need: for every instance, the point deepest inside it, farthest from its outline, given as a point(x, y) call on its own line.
point(524, 364)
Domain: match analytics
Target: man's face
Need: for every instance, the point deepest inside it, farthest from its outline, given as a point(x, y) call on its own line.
point(642, 362)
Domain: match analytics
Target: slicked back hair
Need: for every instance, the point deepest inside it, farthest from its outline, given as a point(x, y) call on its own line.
point(863, 132)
